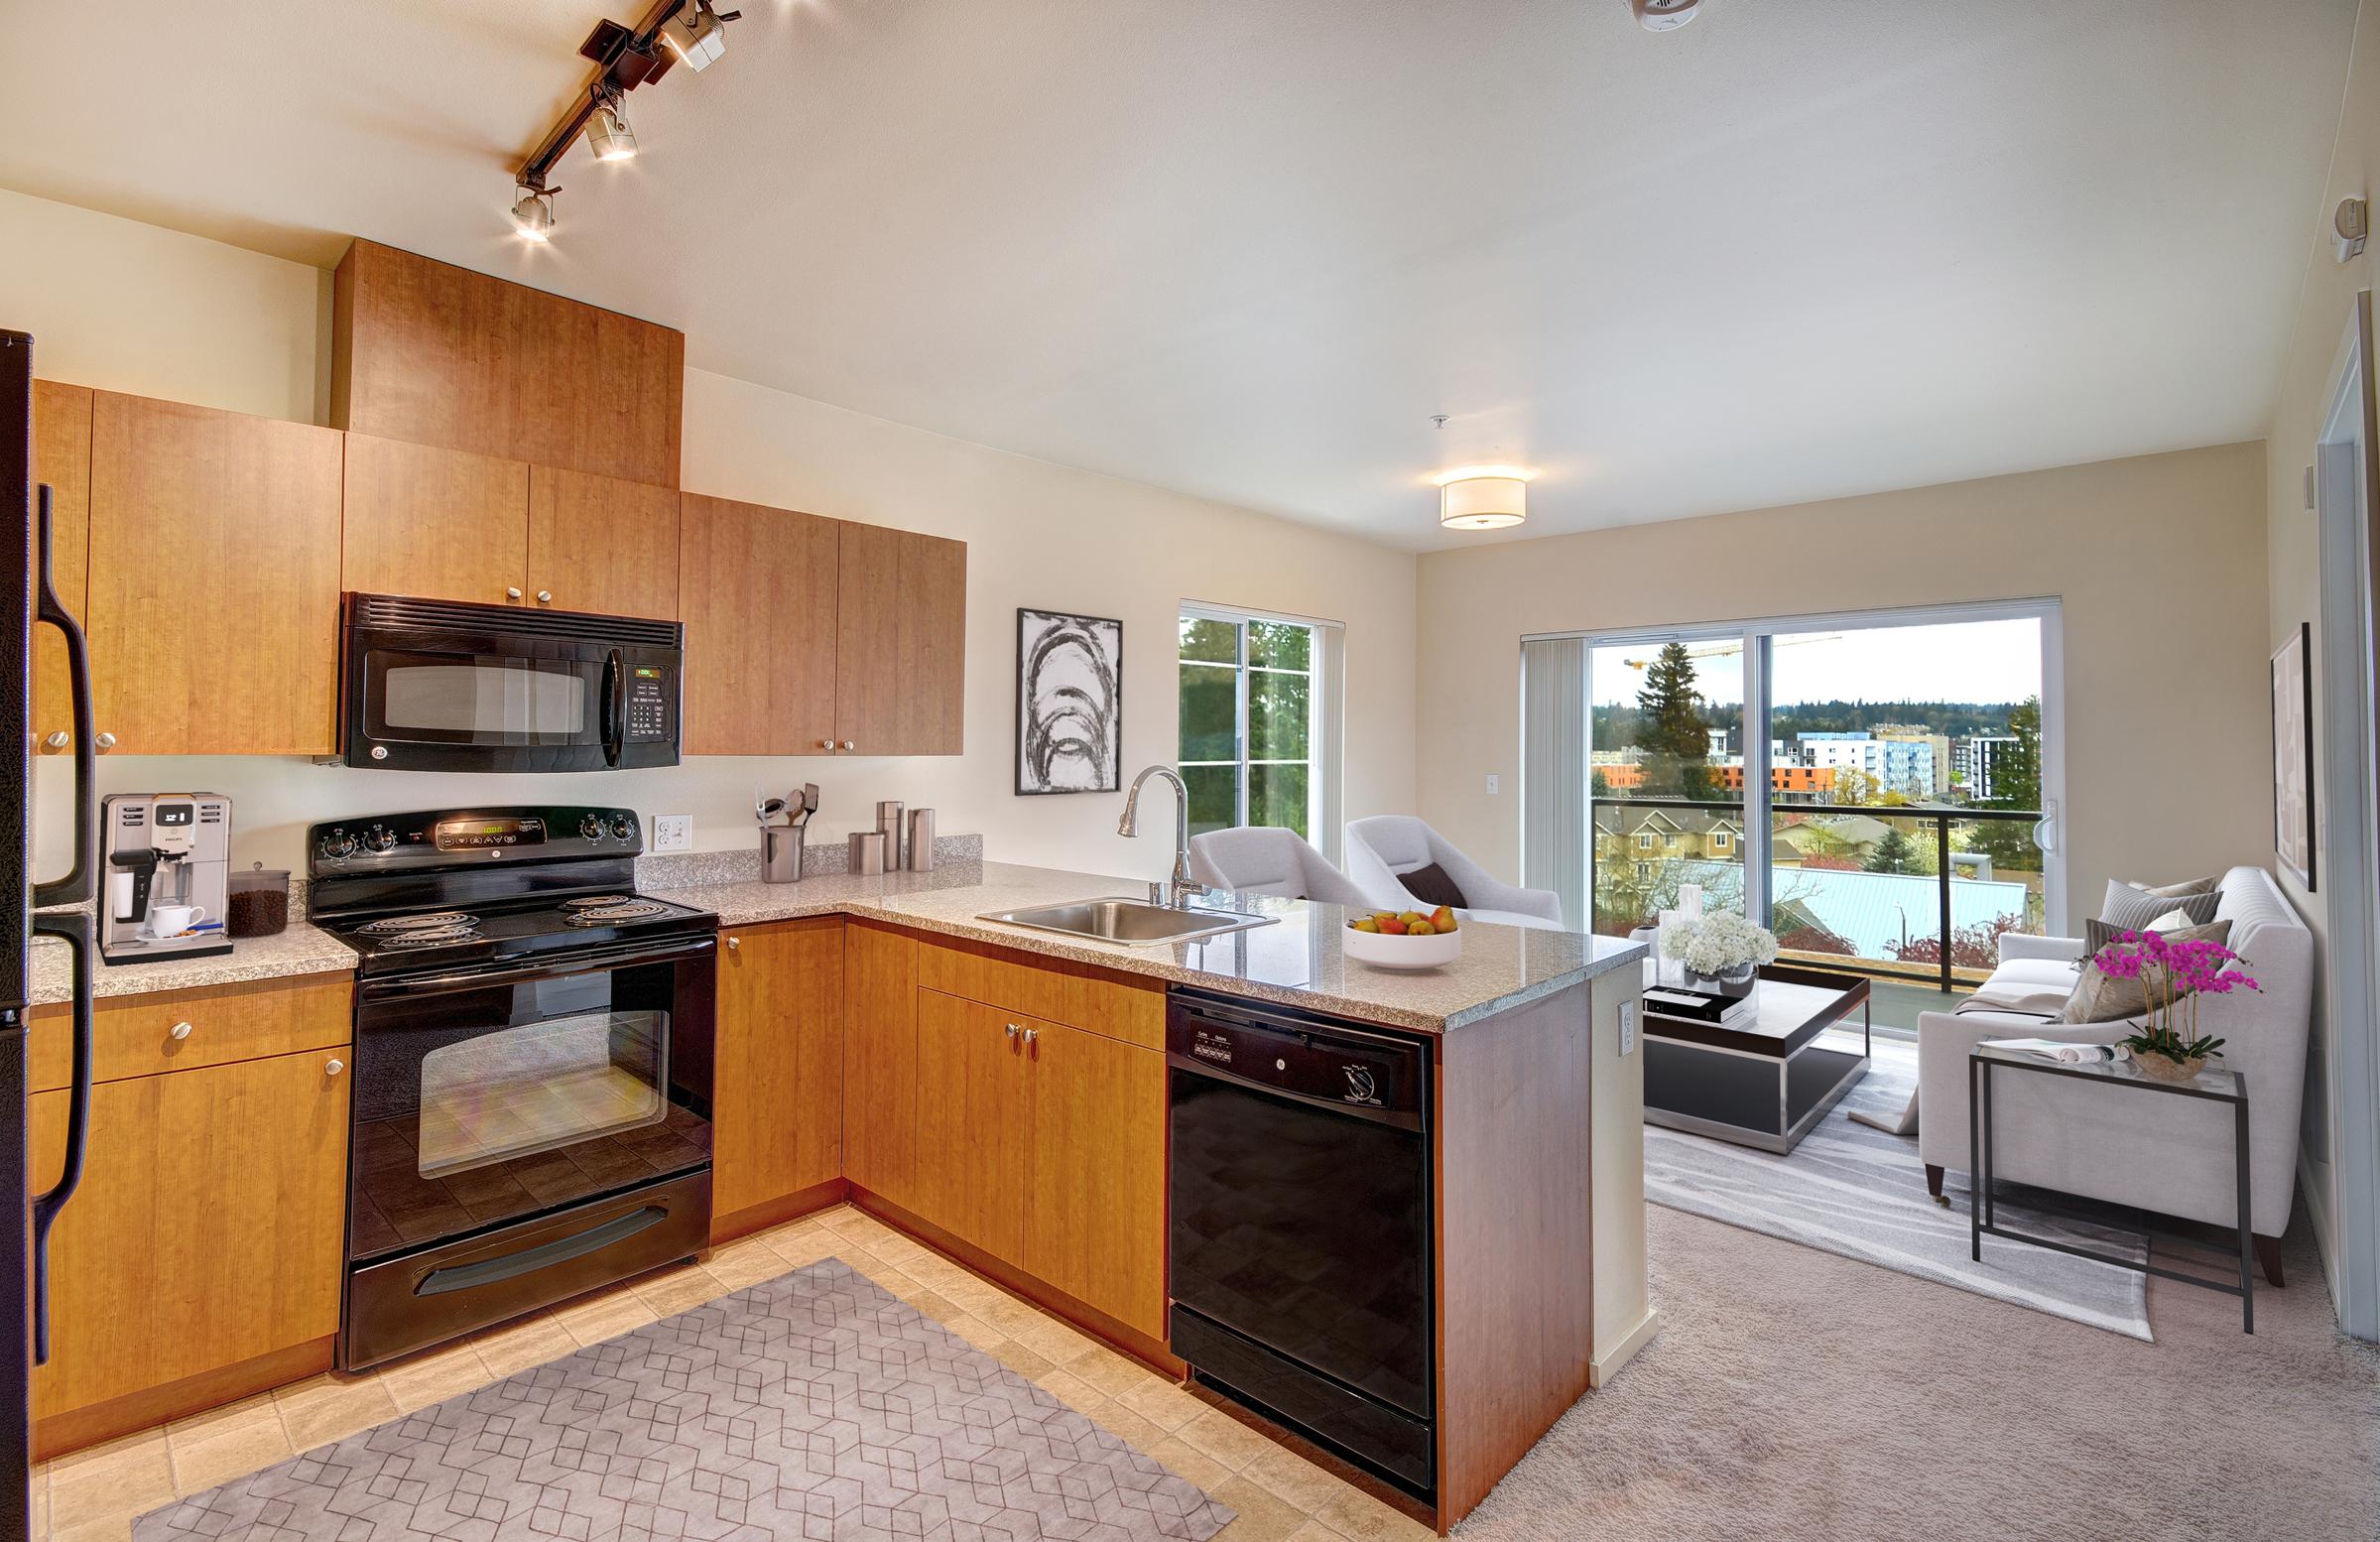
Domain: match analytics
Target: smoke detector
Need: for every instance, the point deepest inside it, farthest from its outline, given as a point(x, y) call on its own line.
point(1663, 15)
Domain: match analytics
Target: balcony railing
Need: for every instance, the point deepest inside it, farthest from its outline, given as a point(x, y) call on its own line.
point(1912, 891)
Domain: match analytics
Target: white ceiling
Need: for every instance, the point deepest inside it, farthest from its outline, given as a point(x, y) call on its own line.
point(1246, 248)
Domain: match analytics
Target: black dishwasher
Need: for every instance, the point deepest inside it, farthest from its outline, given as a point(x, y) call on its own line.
point(1301, 1224)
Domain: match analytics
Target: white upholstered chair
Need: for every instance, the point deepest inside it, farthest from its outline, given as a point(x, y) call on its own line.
point(1266, 859)
point(1387, 845)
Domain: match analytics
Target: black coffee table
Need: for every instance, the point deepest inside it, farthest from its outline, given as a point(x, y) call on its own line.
point(1765, 1081)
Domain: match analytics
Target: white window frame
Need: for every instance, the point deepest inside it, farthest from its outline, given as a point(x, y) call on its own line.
point(1326, 729)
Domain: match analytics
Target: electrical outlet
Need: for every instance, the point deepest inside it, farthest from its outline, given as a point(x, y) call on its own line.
point(673, 832)
point(1627, 1027)
point(1493, 783)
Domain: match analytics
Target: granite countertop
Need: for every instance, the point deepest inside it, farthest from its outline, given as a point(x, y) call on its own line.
point(1297, 961)
point(300, 950)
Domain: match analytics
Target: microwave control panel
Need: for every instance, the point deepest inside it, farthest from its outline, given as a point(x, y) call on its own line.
point(652, 699)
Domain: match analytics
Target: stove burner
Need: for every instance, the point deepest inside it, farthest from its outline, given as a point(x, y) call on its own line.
point(406, 927)
point(612, 908)
point(426, 937)
point(591, 901)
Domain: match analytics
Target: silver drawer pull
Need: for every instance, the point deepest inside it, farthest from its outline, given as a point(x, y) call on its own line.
point(332, 1067)
point(180, 1030)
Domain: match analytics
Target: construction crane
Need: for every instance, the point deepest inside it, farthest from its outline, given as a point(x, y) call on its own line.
point(1720, 649)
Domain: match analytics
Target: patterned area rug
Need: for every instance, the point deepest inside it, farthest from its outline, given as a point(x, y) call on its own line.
point(813, 1405)
point(1859, 1192)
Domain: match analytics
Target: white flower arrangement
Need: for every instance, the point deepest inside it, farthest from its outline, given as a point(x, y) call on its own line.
point(1720, 942)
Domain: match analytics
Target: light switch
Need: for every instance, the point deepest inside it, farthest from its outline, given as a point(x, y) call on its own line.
point(1627, 1027)
point(1493, 782)
point(673, 832)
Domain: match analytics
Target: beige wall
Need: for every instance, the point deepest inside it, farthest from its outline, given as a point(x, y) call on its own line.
point(2158, 562)
point(210, 324)
point(2323, 310)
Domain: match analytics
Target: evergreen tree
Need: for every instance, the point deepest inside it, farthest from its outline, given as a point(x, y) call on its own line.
point(1670, 730)
point(1893, 855)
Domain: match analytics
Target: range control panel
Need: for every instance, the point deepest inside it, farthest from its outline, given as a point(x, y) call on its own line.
point(454, 837)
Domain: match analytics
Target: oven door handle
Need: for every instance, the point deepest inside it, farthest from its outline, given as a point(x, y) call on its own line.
point(548, 969)
point(511, 1266)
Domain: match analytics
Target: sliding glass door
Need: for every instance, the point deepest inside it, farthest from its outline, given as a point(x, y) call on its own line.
point(1879, 787)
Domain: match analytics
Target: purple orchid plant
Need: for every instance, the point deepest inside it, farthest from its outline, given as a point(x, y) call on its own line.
point(2173, 977)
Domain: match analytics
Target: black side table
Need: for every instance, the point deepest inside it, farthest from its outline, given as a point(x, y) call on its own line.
point(2213, 1085)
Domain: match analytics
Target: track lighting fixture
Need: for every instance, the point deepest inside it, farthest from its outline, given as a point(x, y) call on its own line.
point(607, 132)
point(532, 213)
point(625, 58)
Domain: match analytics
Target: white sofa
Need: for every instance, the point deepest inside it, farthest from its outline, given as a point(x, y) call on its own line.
point(1266, 859)
point(2168, 1155)
point(1386, 845)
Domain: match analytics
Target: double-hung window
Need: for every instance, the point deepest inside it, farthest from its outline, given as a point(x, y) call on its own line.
point(1259, 721)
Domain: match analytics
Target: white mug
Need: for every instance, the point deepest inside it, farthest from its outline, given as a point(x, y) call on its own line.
point(172, 920)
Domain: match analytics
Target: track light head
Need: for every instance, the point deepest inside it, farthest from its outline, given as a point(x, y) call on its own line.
point(697, 34)
point(607, 132)
point(533, 214)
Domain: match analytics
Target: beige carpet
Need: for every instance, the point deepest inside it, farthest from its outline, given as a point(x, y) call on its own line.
point(1797, 1396)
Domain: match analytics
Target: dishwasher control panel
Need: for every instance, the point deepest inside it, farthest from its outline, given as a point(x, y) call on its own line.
point(1316, 1059)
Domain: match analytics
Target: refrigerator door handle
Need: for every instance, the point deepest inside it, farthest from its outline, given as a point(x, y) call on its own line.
point(79, 884)
point(75, 929)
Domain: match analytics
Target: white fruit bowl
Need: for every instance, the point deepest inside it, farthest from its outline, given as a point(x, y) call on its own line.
point(1386, 951)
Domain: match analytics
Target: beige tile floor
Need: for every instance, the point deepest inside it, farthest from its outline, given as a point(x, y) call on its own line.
point(92, 1496)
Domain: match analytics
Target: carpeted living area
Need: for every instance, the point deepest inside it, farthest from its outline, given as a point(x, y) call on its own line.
point(1797, 1397)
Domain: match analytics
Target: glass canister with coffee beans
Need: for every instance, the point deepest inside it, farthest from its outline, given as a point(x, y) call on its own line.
point(258, 904)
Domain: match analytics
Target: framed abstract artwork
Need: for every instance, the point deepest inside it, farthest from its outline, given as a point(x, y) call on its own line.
point(1070, 704)
point(2293, 755)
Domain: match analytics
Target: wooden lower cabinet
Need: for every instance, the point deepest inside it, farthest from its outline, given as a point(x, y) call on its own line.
point(1095, 1199)
point(208, 1230)
point(880, 1060)
point(776, 1078)
point(974, 1122)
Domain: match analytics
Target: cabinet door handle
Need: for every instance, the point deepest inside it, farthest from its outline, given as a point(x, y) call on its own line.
point(180, 1030)
point(544, 596)
point(735, 944)
point(1012, 1030)
point(512, 591)
point(332, 1067)
point(54, 740)
point(847, 744)
point(825, 743)
point(103, 743)
point(1031, 1034)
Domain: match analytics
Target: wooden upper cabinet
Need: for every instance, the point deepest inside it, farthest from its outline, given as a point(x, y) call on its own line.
point(440, 524)
point(436, 354)
point(777, 1079)
point(755, 590)
point(599, 544)
point(214, 581)
point(901, 643)
point(62, 457)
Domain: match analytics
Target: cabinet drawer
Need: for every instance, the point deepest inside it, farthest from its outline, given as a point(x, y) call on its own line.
point(1055, 990)
point(134, 1036)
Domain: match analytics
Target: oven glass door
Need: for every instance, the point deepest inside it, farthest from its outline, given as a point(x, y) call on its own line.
point(430, 697)
point(492, 1101)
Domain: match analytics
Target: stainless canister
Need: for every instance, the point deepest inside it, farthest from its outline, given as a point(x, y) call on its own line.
point(921, 840)
point(887, 824)
point(867, 852)
point(781, 855)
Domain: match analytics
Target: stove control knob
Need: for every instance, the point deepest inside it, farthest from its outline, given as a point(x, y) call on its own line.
point(339, 844)
point(381, 839)
point(591, 827)
point(623, 827)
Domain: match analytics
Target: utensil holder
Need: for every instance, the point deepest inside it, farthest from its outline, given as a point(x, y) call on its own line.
point(781, 855)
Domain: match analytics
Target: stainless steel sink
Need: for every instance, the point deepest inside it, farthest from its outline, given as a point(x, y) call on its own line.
point(1134, 923)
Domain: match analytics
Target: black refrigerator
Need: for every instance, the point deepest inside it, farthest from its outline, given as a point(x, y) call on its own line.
point(33, 908)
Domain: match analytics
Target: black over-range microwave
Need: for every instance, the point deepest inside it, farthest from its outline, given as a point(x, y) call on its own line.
point(434, 684)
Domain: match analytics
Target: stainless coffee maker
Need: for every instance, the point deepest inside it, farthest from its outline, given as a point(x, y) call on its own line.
point(166, 857)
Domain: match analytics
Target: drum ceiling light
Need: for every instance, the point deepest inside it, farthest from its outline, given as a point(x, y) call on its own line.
point(1483, 497)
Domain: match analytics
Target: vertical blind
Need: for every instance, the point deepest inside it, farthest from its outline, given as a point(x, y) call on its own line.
point(1554, 770)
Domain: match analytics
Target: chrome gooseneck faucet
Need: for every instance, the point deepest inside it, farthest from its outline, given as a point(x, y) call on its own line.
point(1184, 888)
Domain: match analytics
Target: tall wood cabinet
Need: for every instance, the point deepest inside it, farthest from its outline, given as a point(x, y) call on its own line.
point(214, 580)
point(62, 457)
point(777, 1076)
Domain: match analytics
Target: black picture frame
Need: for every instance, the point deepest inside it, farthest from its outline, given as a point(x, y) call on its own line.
point(2293, 753)
point(1041, 635)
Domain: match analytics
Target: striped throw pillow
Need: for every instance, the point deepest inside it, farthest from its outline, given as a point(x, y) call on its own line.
point(2129, 908)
